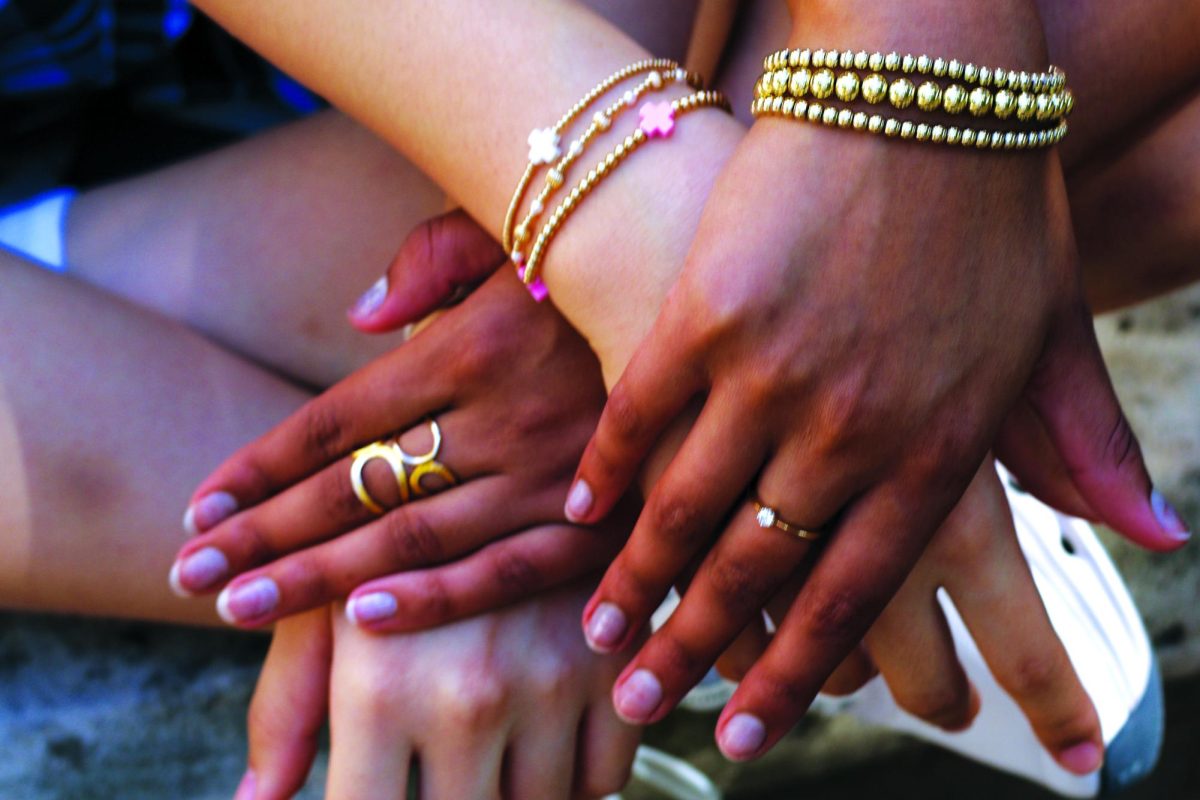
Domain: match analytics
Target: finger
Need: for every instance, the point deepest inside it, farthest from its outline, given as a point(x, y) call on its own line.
point(993, 590)
point(289, 707)
point(1074, 397)
point(1025, 448)
point(606, 750)
point(322, 506)
point(504, 572)
point(440, 257)
point(912, 646)
point(369, 749)
point(875, 545)
point(655, 387)
point(741, 654)
point(467, 763)
point(405, 386)
point(851, 675)
point(429, 531)
point(684, 511)
point(743, 571)
point(541, 756)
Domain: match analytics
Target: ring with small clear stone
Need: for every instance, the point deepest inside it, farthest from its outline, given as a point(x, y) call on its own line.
point(767, 517)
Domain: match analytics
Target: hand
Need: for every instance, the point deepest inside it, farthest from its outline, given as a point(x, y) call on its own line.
point(857, 342)
point(509, 704)
point(515, 393)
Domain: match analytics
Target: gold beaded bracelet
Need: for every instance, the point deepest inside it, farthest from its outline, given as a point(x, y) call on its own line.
point(841, 117)
point(543, 142)
point(601, 121)
point(930, 96)
point(655, 120)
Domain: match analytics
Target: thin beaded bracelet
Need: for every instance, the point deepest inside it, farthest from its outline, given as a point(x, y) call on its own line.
point(655, 120)
point(901, 93)
point(601, 121)
point(1051, 80)
point(834, 116)
point(544, 142)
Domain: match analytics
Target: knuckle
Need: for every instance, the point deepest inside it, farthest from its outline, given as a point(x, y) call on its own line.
point(677, 521)
point(835, 615)
point(429, 602)
point(741, 584)
point(1036, 674)
point(471, 698)
point(304, 582)
point(624, 420)
point(251, 539)
point(515, 573)
point(413, 541)
point(945, 704)
point(1121, 449)
point(599, 783)
point(677, 662)
point(324, 431)
point(787, 695)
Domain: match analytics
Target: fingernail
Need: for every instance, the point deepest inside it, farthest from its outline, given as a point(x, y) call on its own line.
point(248, 601)
point(1082, 758)
point(1169, 518)
point(579, 501)
point(371, 299)
point(606, 628)
point(198, 571)
point(638, 696)
point(208, 511)
point(245, 790)
point(742, 736)
point(370, 607)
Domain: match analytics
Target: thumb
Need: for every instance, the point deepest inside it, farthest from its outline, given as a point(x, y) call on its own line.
point(1070, 391)
point(289, 708)
point(439, 258)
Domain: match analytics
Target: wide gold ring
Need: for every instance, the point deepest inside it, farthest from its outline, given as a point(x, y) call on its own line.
point(767, 517)
point(435, 468)
point(389, 453)
point(424, 458)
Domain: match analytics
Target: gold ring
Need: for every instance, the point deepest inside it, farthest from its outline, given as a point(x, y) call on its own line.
point(767, 517)
point(429, 468)
point(394, 459)
point(424, 458)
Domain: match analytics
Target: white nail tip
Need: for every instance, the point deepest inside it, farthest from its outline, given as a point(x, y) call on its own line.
point(173, 580)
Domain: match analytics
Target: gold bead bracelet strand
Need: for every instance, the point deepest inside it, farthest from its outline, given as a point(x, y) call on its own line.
point(655, 120)
point(1051, 80)
point(901, 93)
point(835, 117)
point(543, 142)
point(601, 121)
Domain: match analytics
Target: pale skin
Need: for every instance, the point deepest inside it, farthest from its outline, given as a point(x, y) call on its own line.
point(384, 85)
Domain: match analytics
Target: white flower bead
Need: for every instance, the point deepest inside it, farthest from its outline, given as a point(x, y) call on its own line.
point(543, 146)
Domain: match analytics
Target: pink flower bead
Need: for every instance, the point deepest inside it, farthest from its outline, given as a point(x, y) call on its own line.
point(656, 119)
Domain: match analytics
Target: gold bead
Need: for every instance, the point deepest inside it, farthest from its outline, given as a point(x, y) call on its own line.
point(800, 108)
point(805, 57)
point(1043, 107)
point(1023, 81)
point(814, 112)
point(985, 76)
point(980, 101)
point(954, 69)
point(968, 137)
point(908, 63)
point(628, 141)
point(875, 123)
point(954, 99)
point(831, 58)
point(844, 118)
point(860, 120)
point(798, 85)
point(846, 59)
point(952, 135)
point(847, 86)
point(1006, 103)
point(901, 93)
point(970, 73)
point(939, 67)
point(929, 96)
point(822, 84)
point(794, 58)
point(520, 233)
point(861, 59)
point(1068, 102)
point(891, 62)
point(554, 178)
point(924, 64)
point(818, 58)
point(1022, 140)
point(1026, 106)
point(937, 133)
point(922, 134)
point(1010, 139)
point(829, 117)
point(779, 81)
point(907, 129)
point(1000, 78)
point(874, 88)
point(983, 140)
point(776, 104)
point(875, 62)
point(891, 127)
point(788, 105)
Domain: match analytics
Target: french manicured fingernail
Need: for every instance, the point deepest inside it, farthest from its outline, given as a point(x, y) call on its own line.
point(371, 299)
point(370, 607)
point(638, 696)
point(198, 571)
point(208, 511)
point(245, 790)
point(1082, 758)
point(579, 501)
point(606, 628)
point(1168, 517)
point(248, 601)
point(742, 736)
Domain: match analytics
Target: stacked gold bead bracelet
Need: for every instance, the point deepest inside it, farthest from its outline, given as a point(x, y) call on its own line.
point(655, 120)
point(795, 81)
